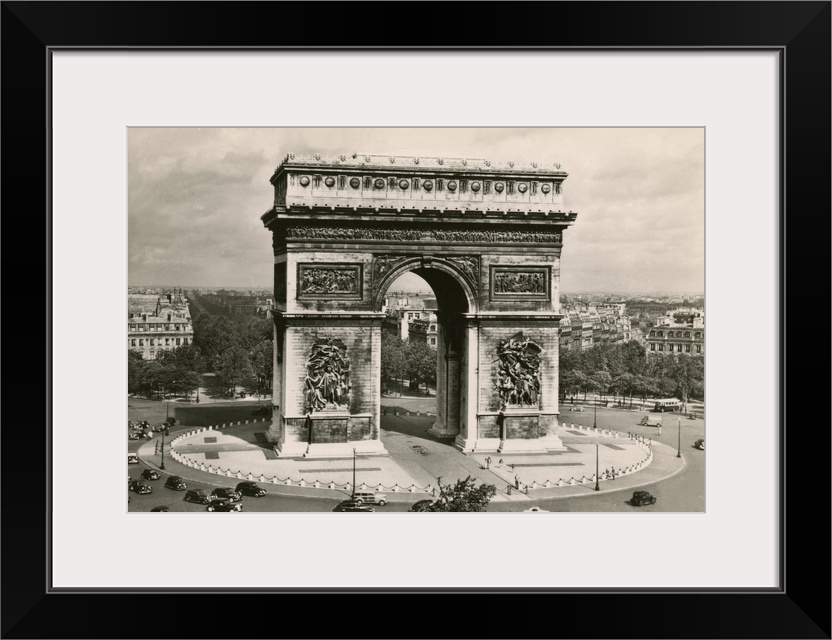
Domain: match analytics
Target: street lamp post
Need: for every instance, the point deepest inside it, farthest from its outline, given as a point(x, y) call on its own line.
point(353, 473)
point(679, 445)
point(597, 486)
point(162, 464)
point(595, 415)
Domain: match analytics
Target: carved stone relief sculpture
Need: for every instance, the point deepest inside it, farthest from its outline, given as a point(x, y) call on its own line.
point(327, 384)
point(518, 374)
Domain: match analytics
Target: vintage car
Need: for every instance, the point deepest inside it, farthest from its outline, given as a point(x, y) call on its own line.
point(224, 505)
point(352, 505)
point(140, 487)
point(227, 493)
point(249, 488)
point(197, 496)
point(700, 444)
point(642, 498)
point(421, 505)
point(150, 474)
point(176, 483)
point(651, 421)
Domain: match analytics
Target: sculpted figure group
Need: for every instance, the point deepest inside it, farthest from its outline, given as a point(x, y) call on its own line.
point(327, 384)
point(518, 374)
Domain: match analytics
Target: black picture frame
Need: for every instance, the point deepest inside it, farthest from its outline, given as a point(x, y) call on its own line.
point(799, 31)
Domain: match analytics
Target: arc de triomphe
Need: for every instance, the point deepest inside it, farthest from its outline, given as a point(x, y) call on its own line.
point(486, 237)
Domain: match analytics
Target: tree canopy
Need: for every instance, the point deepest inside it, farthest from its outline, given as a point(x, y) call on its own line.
point(464, 495)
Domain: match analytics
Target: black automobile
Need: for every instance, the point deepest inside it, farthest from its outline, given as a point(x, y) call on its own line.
point(161, 508)
point(224, 505)
point(642, 498)
point(197, 496)
point(226, 493)
point(422, 505)
point(176, 483)
point(352, 505)
point(250, 489)
point(261, 411)
point(132, 436)
point(137, 486)
point(150, 474)
point(700, 444)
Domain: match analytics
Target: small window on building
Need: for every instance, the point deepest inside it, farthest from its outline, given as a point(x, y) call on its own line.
point(661, 347)
point(661, 334)
point(141, 342)
point(687, 334)
point(152, 342)
point(696, 335)
point(167, 342)
point(178, 341)
point(653, 347)
point(133, 342)
point(687, 348)
point(699, 348)
point(652, 333)
point(679, 348)
point(186, 340)
point(433, 342)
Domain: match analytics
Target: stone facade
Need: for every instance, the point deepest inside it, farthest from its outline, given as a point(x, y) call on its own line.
point(487, 238)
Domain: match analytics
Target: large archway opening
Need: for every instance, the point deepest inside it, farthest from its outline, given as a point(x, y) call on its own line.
point(422, 350)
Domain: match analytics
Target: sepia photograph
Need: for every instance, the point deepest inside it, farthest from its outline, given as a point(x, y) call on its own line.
point(416, 320)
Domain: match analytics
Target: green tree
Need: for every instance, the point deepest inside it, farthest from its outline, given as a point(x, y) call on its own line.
point(234, 368)
point(421, 363)
point(393, 358)
point(602, 380)
point(261, 356)
point(465, 495)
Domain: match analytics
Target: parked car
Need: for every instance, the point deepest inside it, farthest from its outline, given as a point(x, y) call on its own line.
point(224, 505)
point(161, 508)
point(352, 505)
point(700, 444)
point(642, 498)
point(176, 483)
point(150, 474)
point(370, 497)
point(132, 458)
point(250, 489)
point(261, 411)
point(577, 408)
point(535, 510)
point(421, 505)
point(651, 421)
point(137, 486)
point(199, 497)
point(133, 436)
point(226, 493)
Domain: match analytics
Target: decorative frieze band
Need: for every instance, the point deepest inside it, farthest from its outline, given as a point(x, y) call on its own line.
point(455, 235)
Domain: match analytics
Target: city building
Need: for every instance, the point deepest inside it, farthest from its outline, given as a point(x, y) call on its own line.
point(424, 330)
point(584, 325)
point(678, 332)
point(403, 309)
point(158, 323)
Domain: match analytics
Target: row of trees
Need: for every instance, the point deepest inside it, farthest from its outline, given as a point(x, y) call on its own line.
point(624, 370)
point(238, 352)
point(400, 359)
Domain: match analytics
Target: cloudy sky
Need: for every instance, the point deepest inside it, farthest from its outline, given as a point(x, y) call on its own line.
point(196, 197)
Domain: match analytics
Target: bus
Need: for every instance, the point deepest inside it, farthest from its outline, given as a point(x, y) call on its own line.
point(668, 404)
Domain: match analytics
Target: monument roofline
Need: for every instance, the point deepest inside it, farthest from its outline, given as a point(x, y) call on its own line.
point(375, 162)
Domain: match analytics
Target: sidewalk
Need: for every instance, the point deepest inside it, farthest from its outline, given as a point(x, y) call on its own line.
point(416, 463)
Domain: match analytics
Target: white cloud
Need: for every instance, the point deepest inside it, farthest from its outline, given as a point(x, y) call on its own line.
point(196, 196)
